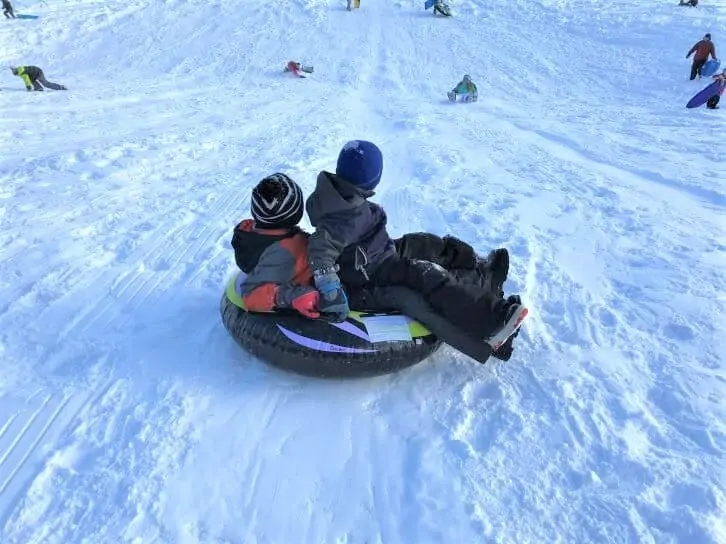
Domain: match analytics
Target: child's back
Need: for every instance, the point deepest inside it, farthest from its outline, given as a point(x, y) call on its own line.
point(272, 250)
point(352, 231)
point(351, 234)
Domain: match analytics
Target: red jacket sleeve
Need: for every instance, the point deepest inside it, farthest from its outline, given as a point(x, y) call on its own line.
point(261, 298)
point(275, 267)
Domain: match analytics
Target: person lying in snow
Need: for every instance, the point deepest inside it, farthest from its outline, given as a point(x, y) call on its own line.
point(690, 3)
point(351, 250)
point(296, 68)
point(273, 252)
point(712, 103)
point(33, 77)
point(466, 89)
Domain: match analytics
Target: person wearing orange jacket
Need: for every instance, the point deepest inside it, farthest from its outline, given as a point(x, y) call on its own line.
point(272, 250)
point(702, 50)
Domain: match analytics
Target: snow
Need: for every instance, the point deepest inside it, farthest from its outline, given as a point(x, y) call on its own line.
point(127, 414)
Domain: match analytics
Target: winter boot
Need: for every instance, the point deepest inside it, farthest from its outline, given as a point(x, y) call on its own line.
point(494, 270)
point(505, 351)
point(514, 315)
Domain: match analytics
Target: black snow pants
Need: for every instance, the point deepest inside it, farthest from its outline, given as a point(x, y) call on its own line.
point(40, 80)
point(410, 303)
point(8, 12)
point(712, 103)
point(455, 255)
point(439, 10)
point(696, 67)
point(476, 312)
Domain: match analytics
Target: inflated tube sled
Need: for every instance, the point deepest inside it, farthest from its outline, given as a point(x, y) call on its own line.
point(365, 344)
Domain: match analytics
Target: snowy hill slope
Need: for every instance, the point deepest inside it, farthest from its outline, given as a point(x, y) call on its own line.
point(128, 415)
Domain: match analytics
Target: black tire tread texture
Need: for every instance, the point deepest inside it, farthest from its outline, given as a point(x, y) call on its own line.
point(258, 335)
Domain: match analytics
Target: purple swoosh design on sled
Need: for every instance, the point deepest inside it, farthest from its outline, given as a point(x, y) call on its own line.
point(352, 329)
point(319, 345)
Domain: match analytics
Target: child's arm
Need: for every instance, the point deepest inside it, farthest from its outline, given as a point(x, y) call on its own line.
point(325, 245)
point(269, 285)
point(324, 249)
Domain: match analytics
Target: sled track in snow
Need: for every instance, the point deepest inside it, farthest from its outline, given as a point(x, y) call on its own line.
point(28, 427)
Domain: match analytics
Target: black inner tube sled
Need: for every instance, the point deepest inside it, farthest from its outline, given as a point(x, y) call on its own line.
point(365, 344)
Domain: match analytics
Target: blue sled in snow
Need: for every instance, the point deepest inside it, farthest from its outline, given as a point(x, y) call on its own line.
point(710, 68)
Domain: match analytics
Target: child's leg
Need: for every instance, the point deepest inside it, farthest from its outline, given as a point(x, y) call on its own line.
point(459, 258)
point(411, 303)
point(479, 313)
point(449, 251)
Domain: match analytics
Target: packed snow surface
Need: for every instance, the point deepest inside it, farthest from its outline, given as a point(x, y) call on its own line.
point(128, 414)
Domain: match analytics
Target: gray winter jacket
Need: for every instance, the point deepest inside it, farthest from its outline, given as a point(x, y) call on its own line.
point(350, 230)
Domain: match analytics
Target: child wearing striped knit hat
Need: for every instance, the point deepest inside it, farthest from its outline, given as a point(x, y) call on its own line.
point(272, 250)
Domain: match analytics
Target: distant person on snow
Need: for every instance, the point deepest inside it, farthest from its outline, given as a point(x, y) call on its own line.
point(442, 8)
point(8, 10)
point(296, 68)
point(702, 50)
point(690, 3)
point(34, 78)
point(712, 103)
point(466, 89)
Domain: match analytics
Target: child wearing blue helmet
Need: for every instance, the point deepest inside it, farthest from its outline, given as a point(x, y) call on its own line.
point(351, 252)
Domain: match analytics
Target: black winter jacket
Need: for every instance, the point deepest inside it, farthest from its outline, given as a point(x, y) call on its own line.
point(349, 230)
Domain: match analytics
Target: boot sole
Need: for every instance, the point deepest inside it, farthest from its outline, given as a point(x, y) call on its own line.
point(511, 327)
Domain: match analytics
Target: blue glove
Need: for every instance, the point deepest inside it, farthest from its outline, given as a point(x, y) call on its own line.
point(333, 302)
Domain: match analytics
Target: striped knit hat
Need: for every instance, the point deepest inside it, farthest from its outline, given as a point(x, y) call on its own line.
point(277, 203)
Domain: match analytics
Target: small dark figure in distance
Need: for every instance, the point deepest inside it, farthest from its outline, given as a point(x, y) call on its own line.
point(465, 89)
point(8, 10)
point(442, 8)
point(702, 50)
point(295, 67)
point(689, 3)
point(712, 103)
point(34, 78)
